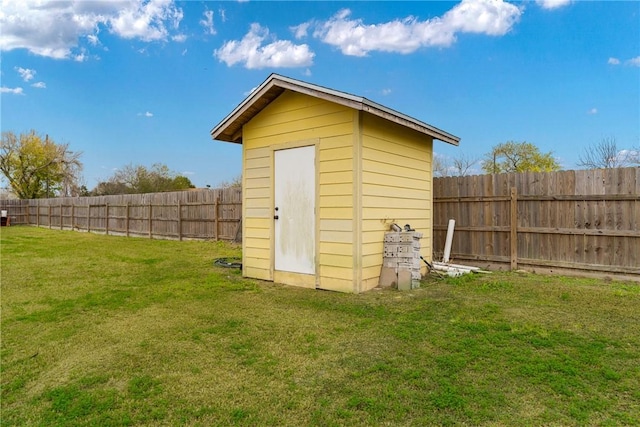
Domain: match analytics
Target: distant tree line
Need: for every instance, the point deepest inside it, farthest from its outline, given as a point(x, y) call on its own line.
point(138, 179)
point(526, 157)
point(35, 166)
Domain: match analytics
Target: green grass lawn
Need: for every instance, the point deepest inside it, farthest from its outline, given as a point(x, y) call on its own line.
point(110, 331)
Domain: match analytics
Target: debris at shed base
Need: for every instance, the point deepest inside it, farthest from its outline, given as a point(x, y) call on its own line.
point(401, 260)
point(455, 270)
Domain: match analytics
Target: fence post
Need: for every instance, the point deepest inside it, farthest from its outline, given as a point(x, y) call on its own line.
point(150, 223)
point(38, 213)
point(106, 219)
point(179, 220)
point(61, 217)
point(127, 221)
point(28, 209)
point(89, 217)
point(49, 216)
point(217, 208)
point(73, 212)
point(514, 228)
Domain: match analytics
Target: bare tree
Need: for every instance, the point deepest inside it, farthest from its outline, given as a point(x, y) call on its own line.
point(439, 166)
point(458, 166)
point(634, 157)
point(606, 155)
point(236, 182)
point(463, 164)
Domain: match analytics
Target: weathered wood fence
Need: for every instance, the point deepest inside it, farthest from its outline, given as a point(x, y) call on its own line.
point(586, 220)
point(194, 214)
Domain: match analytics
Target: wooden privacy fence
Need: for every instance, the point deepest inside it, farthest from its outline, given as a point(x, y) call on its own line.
point(587, 220)
point(194, 214)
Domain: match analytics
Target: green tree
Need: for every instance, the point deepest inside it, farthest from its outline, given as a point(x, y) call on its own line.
point(138, 179)
point(37, 167)
point(518, 157)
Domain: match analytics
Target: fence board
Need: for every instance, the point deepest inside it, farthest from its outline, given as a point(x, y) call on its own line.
point(585, 220)
point(172, 215)
point(581, 220)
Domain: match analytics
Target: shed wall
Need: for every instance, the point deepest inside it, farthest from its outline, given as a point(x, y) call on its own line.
point(396, 187)
point(293, 120)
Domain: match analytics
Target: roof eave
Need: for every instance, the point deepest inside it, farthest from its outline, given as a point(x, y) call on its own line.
point(408, 121)
point(218, 132)
point(230, 128)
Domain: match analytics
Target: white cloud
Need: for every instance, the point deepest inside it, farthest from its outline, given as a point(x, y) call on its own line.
point(592, 111)
point(634, 61)
point(251, 52)
point(250, 91)
point(39, 85)
point(146, 21)
point(15, 90)
point(629, 156)
point(146, 114)
point(26, 73)
point(93, 39)
point(80, 57)
point(300, 31)
point(353, 37)
point(179, 38)
point(552, 4)
point(207, 22)
point(386, 92)
point(56, 29)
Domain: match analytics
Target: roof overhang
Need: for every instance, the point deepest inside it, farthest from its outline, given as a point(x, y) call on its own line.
point(230, 128)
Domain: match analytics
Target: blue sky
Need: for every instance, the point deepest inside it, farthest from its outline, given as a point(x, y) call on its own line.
point(143, 82)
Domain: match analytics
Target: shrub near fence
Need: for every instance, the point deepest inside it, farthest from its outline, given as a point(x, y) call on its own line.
point(194, 214)
point(587, 220)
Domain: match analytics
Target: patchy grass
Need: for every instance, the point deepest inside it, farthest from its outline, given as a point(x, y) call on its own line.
point(103, 330)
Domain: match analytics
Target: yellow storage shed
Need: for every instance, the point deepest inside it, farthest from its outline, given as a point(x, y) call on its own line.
point(324, 174)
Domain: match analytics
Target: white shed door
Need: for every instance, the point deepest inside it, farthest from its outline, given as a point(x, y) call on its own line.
point(295, 196)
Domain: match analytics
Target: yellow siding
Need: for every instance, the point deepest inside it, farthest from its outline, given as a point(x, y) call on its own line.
point(339, 285)
point(370, 173)
point(336, 273)
point(256, 206)
point(336, 213)
point(340, 177)
point(375, 178)
point(336, 236)
point(339, 189)
point(396, 187)
point(293, 119)
point(334, 260)
point(336, 248)
point(257, 273)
